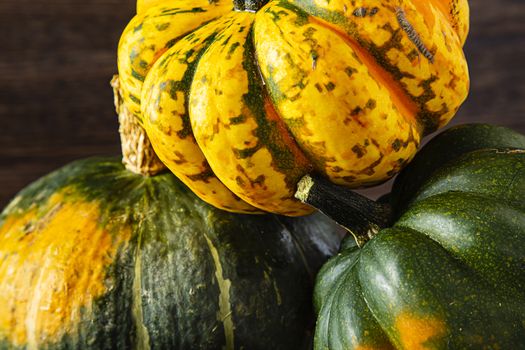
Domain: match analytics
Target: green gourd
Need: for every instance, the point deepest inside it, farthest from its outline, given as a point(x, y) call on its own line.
point(445, 267)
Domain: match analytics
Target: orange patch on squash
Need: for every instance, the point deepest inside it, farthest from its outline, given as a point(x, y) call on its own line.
point(415, 331)
point(53, 264)
point(407, 107)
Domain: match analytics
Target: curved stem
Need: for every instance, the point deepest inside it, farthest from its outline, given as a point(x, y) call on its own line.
point(361, 216)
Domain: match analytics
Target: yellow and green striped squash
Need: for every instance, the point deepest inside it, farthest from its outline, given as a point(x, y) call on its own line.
point(241, 99)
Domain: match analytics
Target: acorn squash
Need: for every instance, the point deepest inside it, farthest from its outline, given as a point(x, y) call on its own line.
point(242, 98)
point(448, 271)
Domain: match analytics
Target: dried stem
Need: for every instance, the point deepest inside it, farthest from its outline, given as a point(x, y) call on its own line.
point(137, 153)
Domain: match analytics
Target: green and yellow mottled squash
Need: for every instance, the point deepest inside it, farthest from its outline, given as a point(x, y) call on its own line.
point(94, 256)
point(242, 98)
point(449, 272)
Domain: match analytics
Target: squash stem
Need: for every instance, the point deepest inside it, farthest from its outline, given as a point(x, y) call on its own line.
point(361, 216)
point(248, 5)
point(138, 155)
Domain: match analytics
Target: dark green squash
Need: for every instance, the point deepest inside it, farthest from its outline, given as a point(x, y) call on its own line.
point(94, 256)
point(449, 271)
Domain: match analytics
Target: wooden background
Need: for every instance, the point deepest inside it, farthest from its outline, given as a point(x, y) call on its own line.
point(57, 57)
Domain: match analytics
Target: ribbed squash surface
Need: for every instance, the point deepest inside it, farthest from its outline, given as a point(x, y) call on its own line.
point(241, 104)
point(449, 272)
point(95, 257)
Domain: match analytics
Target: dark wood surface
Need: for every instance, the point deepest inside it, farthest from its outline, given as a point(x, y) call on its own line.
point(57, 57)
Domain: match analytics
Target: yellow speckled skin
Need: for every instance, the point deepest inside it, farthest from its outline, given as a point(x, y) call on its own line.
point(167, 84)
point(238, 136)
point(241, 104)
point(151, 33)
point(352, 131)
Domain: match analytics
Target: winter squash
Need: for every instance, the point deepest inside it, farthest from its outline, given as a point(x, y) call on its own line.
point(94, 256)
point(448, 272)
point(242, 98)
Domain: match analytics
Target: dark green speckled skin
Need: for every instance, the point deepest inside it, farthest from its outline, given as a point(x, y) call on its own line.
point(455, 257)
point(448, 146)
point(179, 288)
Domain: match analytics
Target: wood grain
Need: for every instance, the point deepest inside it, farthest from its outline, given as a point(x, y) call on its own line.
point(57, 57)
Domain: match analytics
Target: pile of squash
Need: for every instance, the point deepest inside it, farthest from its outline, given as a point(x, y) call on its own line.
point(238, 120)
